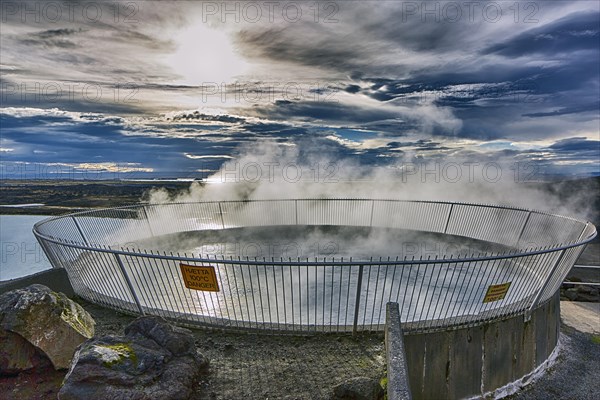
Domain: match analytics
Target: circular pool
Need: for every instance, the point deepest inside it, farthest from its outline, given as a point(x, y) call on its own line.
point(316, 265)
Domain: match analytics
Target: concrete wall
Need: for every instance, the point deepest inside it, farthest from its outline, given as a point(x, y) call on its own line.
point(472, 361)
point(55, 278)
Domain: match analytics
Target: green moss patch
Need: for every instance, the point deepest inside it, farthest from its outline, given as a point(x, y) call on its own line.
point(112, 354)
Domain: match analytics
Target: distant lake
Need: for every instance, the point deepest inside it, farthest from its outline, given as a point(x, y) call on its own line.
point(20, 253)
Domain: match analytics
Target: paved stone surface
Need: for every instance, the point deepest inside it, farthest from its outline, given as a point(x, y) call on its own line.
point(584, 317)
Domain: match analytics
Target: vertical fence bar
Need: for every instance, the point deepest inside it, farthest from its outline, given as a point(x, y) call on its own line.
point(372, 210)
point(543, 287)
point(296, 203)
point(124, 272)
point(552, 282)
point(221, 213)
point(148, 221)
point(448, 219)
point(357, 303)
point(80, 231)
point(523, 229)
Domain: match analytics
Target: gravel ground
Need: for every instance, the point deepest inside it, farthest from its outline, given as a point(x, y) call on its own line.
point(261, 367)
point(249, 366)
point(574, 376)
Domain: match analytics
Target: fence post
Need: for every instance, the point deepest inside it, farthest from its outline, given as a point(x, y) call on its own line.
point(296, 203)
point(539, 294)
point(124, 272)
point(221, 212)
point(398, 385)
point(148, 220)
point(523, 229)
point(357, 303)
point(80, 231)
point(372, 210)
point(448, 220)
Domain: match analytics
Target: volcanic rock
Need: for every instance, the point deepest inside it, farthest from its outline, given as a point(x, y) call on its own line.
point(154, 360)
point(360, 388)
point(36, 321)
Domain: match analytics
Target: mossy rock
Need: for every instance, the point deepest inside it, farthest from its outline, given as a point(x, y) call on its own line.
point(48, 320)
point(152, 360)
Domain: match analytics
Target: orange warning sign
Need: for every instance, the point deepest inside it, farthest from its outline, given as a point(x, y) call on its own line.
point(199, 277)
point(496, 292)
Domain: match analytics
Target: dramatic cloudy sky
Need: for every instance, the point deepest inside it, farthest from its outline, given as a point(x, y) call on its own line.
point(149, 89)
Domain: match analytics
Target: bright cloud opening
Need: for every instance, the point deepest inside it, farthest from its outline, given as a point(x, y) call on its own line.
point(205, 55)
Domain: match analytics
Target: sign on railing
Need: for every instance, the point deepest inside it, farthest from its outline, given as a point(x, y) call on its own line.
point(199, 278)
point(496, 292)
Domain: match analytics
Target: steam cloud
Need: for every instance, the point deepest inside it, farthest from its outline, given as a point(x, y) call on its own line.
point(271, 170)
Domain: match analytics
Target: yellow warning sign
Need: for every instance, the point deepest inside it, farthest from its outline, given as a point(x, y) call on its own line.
point(496, 292)
point(199, 278)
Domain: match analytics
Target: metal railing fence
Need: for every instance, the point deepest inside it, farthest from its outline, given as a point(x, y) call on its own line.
point(101, 253)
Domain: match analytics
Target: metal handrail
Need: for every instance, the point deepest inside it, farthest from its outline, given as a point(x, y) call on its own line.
point(560, 247)
point(142, 204)
point(586, 266)
point(282, 262)
point(581, 283)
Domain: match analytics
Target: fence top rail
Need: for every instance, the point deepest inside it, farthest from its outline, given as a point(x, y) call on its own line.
point(316, 262)
point(329, 199)
point(532, 251)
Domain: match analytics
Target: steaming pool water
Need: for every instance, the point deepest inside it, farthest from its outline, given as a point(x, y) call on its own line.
point(360, 243)
point(304, 294)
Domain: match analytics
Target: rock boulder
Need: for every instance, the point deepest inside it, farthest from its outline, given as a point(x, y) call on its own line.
point(37, 322)
point(17, 354)
point(360, 388)
point(154, 360)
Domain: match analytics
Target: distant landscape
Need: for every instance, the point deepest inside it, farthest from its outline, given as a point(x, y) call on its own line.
point(65, 196)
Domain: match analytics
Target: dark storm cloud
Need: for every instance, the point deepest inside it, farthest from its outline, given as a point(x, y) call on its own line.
point(576, 31)
point(196, 115)
point(558, 73)
point(576, 144)
point(67, 95)
point(289, 45)
point(60, 38)
point(352, 89)
point(324, 111)
point(52, 33)
point(592, 107)
point(422, 144)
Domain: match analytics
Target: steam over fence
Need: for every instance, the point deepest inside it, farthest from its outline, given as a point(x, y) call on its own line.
point(111, 260)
